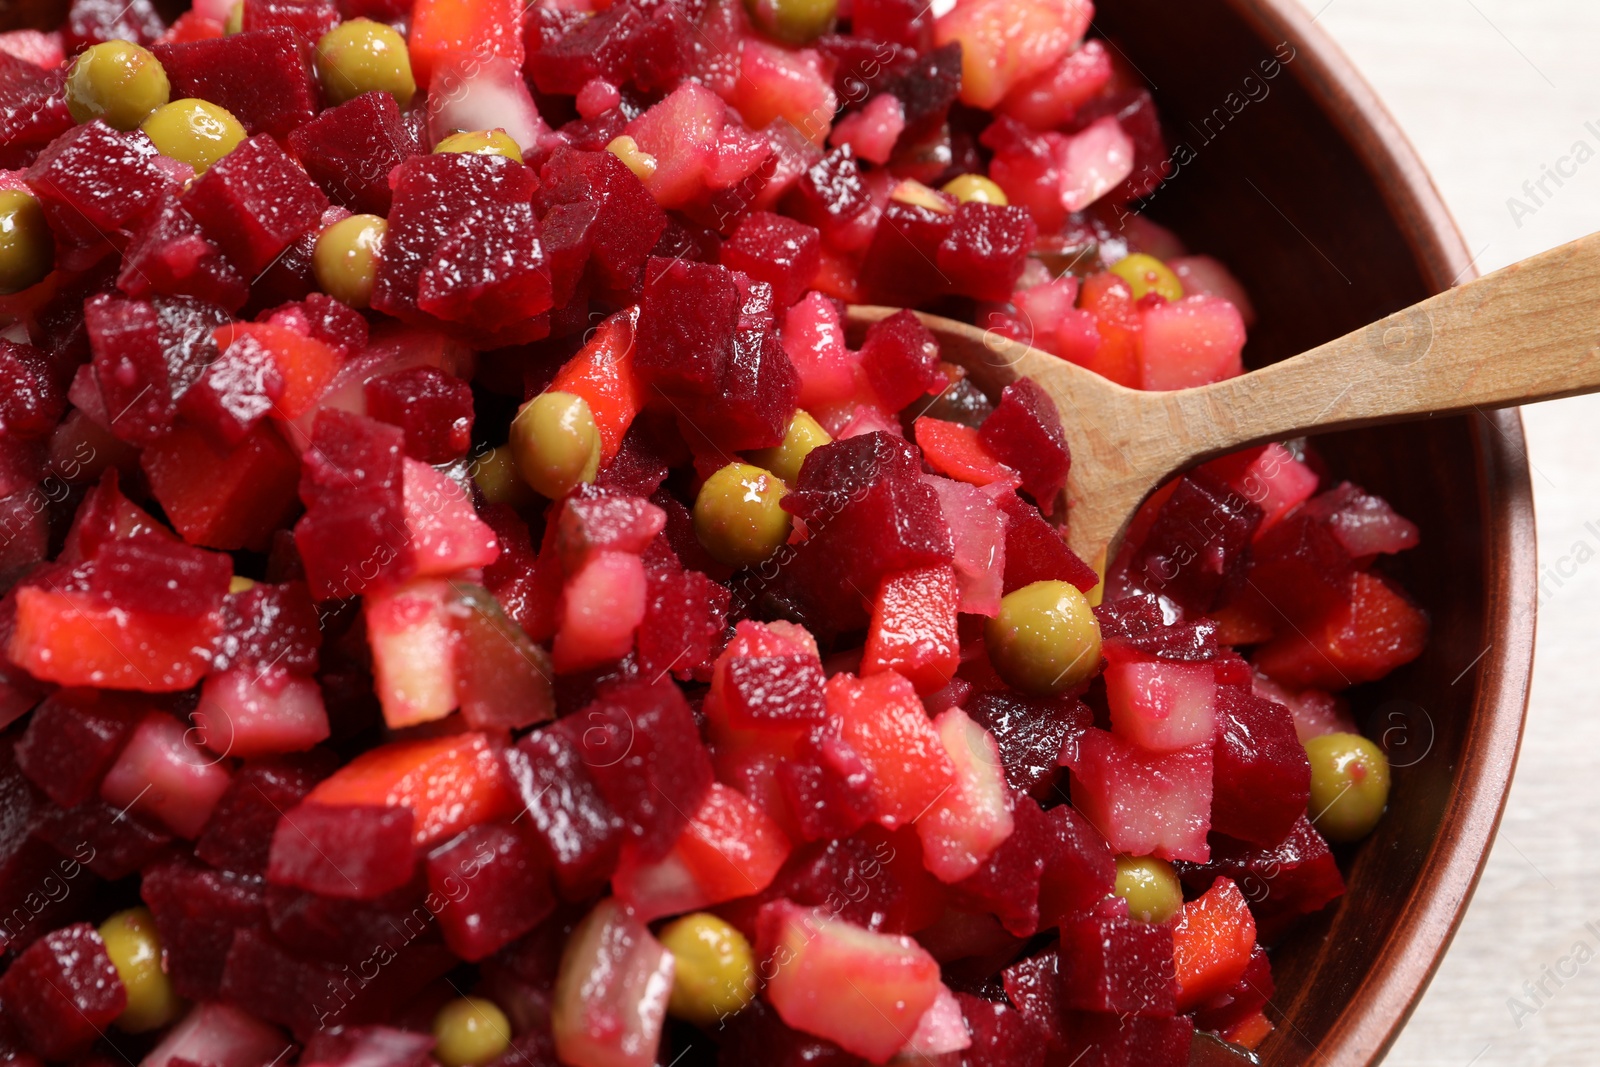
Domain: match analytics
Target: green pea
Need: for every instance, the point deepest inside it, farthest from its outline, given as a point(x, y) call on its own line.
point(481, 143)
point(804, 435)
point(470, 1032)
point(555, 443)
point(1150, 886)
point(345, 260)
point(1045, 639)
point(27, 250)
point(794, 21)
point(360, 56)
point(1349, 785)
point(194, 132)
point(117, 82)
point(737, 515)
point(1147, 274)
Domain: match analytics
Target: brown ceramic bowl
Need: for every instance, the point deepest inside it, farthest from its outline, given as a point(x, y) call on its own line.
point(1305, 187)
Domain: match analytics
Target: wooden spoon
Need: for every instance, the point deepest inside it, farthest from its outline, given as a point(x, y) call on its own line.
point(1525, 333)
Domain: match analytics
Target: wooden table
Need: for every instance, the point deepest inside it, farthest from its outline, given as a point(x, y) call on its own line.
point(1496, 94)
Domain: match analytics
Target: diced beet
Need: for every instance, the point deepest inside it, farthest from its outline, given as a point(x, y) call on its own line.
point(322, 318)
point(1300, 566)
point(350, 149)
point(224, 498)
point(755, 401)
point(1037, 551)
point(34, 401)
point(828, 787)
point(901, 360)
point(1116, 964)
point(1079, 870)
point(1098, 1039)
point(162, 772)
point(1252, 993)
point(147, 354)
point(686, 323)
point(263, 77)
point(640, 746)
point(492, 274)
point(169, 255)
point(628, 221)
point(1007, 883)
point(1144, 802)
point(757, 1035)
point(197, 911)
point(72, 740)
point(601, 47)
point(310, 19)
point(1199, 535)
point(339, 931)
point(1025, 434)
point(831, 193)
point(432, 407)
point(354, 529)
point(369, 1046)
point(239, 836)
point(93, 181)
point(33, 103)
point(685, 617)
point(565, 809)
point(986, 249)
point(766, 691)
point(153, 573)
point(254, 202)
point(928, 89)
point(901, 264)
point(1365, 525)
point(1263, 778)
point(39, 888)
point(92, 22)
point(1031, 732)
point(110, 842)
point(780, 251)
point(497, 886)
point(281, 988)
point(1295, 877)
point(357, 852)
point(1135, 625)
point(1033, 985)
point(1001, 1036)
point(594, 520)
point(63, 992)
point(269, 626)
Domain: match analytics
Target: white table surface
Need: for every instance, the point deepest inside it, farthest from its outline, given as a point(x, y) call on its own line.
point(1491, 92)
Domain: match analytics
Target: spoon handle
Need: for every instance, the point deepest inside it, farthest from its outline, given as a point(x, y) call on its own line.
point(1525, 333)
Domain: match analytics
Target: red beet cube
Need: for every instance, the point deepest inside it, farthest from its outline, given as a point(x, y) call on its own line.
point(62, 992)
point(646, 758)
point(778, 250)
point(1025, 434)
point(828, 787)
point(152, 573)
point(565, 810)
point(433, 195)
point(594, 520)
point(986, 249)
point(32, 866)
point(1037, 552)
point(1263, 778)
point(686, 324)
point(901, 360)
point(309, 19)
point(1300, 567)
point(497, 885)
point(1007, 884)
point(569, 236)
point(1033, 985)
point(685, 619)
point(238, 390)
point(432, 407)
point(1295, 877)
point(1030, 732)
point(566, 58)
point(629, 222)
point(1252, 993)
point(33, 103)
point(831, 194)
point(146, 356)
point(109, 841)
point(32, 401)
point(873, 879)
point(72, 740)
point(93, 181)
point(322, 318)
point(171, 256)
point(1099, 1039)
point(355, 852)
point(1134, 626)
point(1112, 963)
point(354, 529)
point(901, 264)
point(774, 692)
point(238, 837)
point(1001, 1037)
point(254, 202)
point(1199, 535)
point(492, 274)
point(91, 22)
point(1079, 870)
point(349, 150)
point(263, 77)
point(282, 988)
point(222, 497)
point(756, 399)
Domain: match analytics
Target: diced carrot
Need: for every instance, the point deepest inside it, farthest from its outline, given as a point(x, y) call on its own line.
point(1249, 1032)
point(1361, 640)
point(913, 630)
point(72, 639)
point(449, 783)
point(602, 373)
point(306, 364)
point(955, 451)
point(224, 497)
point(475, 28)
point(1212, 944)
point(1110, 300)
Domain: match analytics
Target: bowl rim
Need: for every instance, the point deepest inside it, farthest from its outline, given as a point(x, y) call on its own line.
point(1388, 994)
